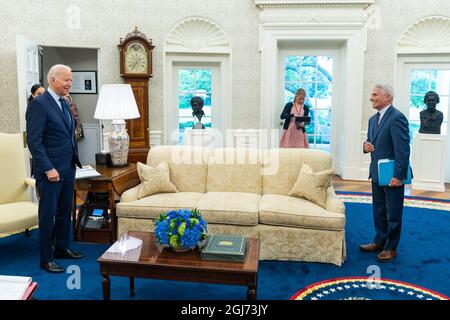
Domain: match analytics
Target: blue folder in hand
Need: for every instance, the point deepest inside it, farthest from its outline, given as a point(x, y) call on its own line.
point(386, 172)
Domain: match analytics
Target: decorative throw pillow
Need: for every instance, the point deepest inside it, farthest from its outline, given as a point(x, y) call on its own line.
point(312, 185)
point(154, 180)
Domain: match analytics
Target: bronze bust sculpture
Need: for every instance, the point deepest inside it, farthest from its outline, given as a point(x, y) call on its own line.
point(197, 108)
point(430, 118)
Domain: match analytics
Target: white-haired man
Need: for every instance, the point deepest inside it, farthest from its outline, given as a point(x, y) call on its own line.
point(51, 140)
point(387, 138)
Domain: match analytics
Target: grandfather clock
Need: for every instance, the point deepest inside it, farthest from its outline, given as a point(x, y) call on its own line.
point(136, 69)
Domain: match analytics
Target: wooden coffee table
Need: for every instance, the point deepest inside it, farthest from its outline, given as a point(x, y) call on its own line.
point(147, 262)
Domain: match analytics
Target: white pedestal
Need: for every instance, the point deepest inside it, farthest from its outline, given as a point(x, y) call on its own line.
point(428, 162)
point(199, 137)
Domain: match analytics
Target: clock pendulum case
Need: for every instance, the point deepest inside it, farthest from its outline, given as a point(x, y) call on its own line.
point(136, 69)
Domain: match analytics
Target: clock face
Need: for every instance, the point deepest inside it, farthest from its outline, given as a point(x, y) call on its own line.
point(136, 59)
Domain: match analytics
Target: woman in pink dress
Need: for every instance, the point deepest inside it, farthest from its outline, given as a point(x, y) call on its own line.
point(293, 137)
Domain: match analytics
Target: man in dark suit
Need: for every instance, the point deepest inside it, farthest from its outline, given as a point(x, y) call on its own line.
point(51, 140)
point(387, 138)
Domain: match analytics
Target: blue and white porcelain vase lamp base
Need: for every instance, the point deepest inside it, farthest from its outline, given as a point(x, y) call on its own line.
point(119, 142)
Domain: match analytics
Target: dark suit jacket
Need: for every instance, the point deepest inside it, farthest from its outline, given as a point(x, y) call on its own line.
point(391, 141)
point(286, 114)
point(50, 138)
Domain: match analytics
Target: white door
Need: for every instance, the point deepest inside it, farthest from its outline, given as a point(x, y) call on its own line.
point(27, 76)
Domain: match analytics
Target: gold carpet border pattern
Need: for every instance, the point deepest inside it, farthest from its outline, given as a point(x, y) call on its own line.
point(415, 203)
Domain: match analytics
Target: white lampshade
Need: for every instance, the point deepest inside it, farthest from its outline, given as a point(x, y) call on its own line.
point(116, 102)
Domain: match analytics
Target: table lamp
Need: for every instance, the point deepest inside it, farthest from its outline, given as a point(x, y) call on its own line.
point(116, 102)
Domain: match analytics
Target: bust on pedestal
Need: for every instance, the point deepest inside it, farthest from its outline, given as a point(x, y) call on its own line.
point(430, 118)
point(429, 148)
point(197, 111)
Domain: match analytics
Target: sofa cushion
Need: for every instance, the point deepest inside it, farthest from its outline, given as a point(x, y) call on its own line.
point(18, 216)
point(288, 211)
point(235, 170)
point(152, 206)
point(188, 165)
point(154, 180)
point(237, 208)
point(281, 167)
point(312, 185)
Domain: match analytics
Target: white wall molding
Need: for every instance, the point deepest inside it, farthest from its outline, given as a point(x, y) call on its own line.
point(313, 3)
point(156, 138)
point(199, 35)
point(427, 35)
point(245, 138)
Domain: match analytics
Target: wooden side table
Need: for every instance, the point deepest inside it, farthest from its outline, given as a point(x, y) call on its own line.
point(113, 181)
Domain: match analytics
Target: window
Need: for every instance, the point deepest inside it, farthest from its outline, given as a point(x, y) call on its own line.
point(193, 82)
point(315, 75)
point(422, 81)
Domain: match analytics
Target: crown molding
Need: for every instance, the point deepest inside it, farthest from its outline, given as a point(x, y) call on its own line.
point(429, 34)
point(197, 34)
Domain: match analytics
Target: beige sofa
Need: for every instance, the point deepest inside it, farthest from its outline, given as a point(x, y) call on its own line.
point(245, 191)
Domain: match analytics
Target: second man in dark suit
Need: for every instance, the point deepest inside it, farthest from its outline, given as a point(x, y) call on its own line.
point(387, 138)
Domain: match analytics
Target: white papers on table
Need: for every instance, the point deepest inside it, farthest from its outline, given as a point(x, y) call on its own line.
point(86, 172)
point(13, 288)
point(124, 244)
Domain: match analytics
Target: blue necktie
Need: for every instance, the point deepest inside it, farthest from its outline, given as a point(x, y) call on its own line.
point(65, 110)
point(377, 119)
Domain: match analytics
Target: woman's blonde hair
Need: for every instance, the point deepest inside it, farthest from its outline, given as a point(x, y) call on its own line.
point(300, 92)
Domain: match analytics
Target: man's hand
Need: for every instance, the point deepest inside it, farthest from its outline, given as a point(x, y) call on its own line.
point(368, 147)
point(52, 175)
point(395, 182)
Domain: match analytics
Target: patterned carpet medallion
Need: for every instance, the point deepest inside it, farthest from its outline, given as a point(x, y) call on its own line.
point(360, 288)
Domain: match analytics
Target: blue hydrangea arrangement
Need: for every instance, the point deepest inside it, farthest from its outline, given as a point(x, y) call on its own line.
point(180, 229)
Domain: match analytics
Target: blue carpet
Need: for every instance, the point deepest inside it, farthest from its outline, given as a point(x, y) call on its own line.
point(423, 260)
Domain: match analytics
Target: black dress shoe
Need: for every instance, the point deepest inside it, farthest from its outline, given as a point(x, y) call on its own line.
point(68, 254)
point(51, 266)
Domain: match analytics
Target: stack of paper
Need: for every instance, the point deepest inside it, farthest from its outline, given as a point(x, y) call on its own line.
point(13, 288)
point(86, 172)
point(125, 243)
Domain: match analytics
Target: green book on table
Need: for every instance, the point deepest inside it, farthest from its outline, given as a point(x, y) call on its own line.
point(224, 248)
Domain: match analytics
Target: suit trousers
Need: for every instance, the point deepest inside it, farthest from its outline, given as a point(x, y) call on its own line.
point(55, 207)
point(387, 214)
